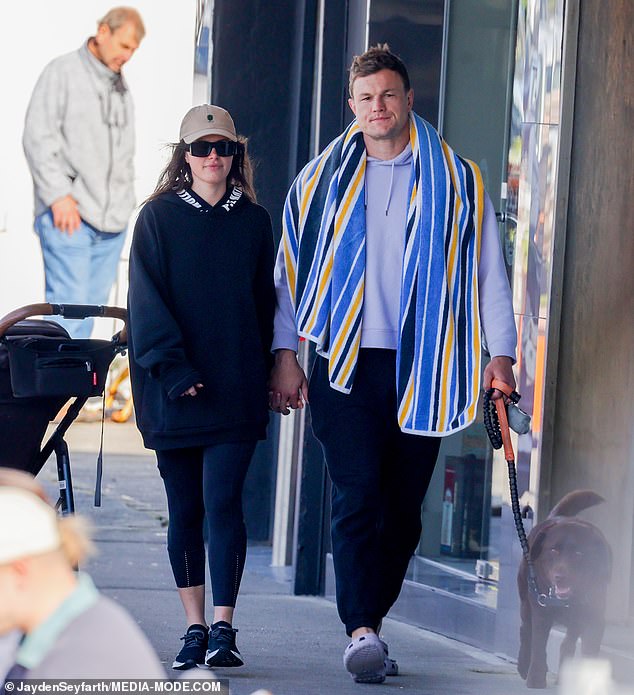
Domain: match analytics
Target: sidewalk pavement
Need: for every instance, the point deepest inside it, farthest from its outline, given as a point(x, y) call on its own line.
point(292, 645)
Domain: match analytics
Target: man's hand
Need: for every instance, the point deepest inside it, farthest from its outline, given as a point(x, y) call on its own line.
point(288, 387)
point(501, 368)
point(65, 215)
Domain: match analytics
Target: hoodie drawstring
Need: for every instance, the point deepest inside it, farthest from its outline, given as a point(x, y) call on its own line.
point(403, 159)
point(389, 192)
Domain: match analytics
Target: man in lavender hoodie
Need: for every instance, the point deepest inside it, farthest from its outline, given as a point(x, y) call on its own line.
point(379, 457)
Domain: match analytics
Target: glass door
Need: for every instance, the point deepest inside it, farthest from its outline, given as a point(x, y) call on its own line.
point(460, 548)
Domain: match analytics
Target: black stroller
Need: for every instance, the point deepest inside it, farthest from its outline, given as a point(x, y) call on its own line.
point(41, 368)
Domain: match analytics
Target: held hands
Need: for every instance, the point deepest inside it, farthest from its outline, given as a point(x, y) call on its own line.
point(66, 215)
point(500, 367)
point(288, 387)
point(192, 390)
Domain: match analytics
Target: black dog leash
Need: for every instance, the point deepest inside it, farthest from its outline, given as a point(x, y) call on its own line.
point(496, 423)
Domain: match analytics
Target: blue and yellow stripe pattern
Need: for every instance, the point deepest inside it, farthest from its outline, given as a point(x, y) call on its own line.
point(438, 356)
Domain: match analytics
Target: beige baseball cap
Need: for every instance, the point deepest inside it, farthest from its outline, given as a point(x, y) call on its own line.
point(207, 119)
point(28, 525)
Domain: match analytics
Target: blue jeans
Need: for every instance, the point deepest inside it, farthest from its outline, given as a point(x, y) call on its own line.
point(78, 269)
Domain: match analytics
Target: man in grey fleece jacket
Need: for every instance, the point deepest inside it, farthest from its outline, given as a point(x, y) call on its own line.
point(79, 143)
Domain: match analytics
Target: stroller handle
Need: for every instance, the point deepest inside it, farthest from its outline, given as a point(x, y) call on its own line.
point(69, 311)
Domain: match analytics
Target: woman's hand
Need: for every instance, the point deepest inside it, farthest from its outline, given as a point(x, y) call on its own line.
point(192, 390)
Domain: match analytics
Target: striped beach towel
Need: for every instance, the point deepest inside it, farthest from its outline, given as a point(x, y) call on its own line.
point(438, 355)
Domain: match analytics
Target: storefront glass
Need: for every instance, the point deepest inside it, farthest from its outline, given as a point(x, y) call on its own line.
point(499, 106)
point(414, 31)
point(464, 504)
point(462, 84)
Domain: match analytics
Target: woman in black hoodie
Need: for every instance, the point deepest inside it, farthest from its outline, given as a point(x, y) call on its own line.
point(201, 304)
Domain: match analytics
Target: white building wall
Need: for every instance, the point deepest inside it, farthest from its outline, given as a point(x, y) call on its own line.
point(160, 75)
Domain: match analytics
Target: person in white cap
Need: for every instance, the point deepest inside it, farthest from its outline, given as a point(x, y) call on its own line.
point(67, 628)
point(201, 303)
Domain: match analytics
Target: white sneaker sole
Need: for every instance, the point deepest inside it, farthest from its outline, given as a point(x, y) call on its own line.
point(364, 659)
point(223, 657)
point(186, 665)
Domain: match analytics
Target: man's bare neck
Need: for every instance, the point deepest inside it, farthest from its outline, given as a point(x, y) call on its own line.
point(388, 148)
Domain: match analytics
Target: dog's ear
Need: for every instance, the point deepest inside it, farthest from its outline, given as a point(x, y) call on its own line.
point(537, 542)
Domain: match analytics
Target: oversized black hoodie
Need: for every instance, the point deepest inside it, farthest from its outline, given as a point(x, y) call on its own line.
point(201, 303)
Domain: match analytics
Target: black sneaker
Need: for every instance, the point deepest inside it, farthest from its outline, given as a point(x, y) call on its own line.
point(222, 650)
point(193, 652)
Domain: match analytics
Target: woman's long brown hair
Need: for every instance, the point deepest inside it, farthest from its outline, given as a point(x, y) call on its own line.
point(177, 175)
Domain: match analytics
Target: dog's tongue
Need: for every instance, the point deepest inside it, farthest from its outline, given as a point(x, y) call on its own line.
point(562, 591)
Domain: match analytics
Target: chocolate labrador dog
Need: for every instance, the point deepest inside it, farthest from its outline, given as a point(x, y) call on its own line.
point(572, 562)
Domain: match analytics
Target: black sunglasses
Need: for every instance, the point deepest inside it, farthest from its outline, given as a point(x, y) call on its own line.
point(203, 148)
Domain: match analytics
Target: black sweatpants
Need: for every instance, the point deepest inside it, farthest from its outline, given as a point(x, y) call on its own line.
point(204, 485)
point(379, 479)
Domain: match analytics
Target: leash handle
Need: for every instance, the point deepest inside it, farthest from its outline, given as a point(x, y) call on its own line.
point(505, 389)
point(500, 407)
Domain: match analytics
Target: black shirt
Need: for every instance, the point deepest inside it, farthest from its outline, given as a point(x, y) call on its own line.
point(201, 304)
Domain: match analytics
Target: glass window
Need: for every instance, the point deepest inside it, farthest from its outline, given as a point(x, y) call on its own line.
point(460, 545)
point(413, 29)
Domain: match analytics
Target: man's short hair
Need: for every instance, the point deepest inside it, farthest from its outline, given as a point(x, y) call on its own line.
point(375, 59)
point(118, 16)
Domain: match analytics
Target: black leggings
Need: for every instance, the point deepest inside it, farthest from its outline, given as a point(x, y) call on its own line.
point(204, 485)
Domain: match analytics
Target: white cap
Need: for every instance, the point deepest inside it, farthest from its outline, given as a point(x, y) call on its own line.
point(28, 525)
point(207, 119)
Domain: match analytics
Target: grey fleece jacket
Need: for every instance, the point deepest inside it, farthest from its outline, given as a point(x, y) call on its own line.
point(79, 140)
